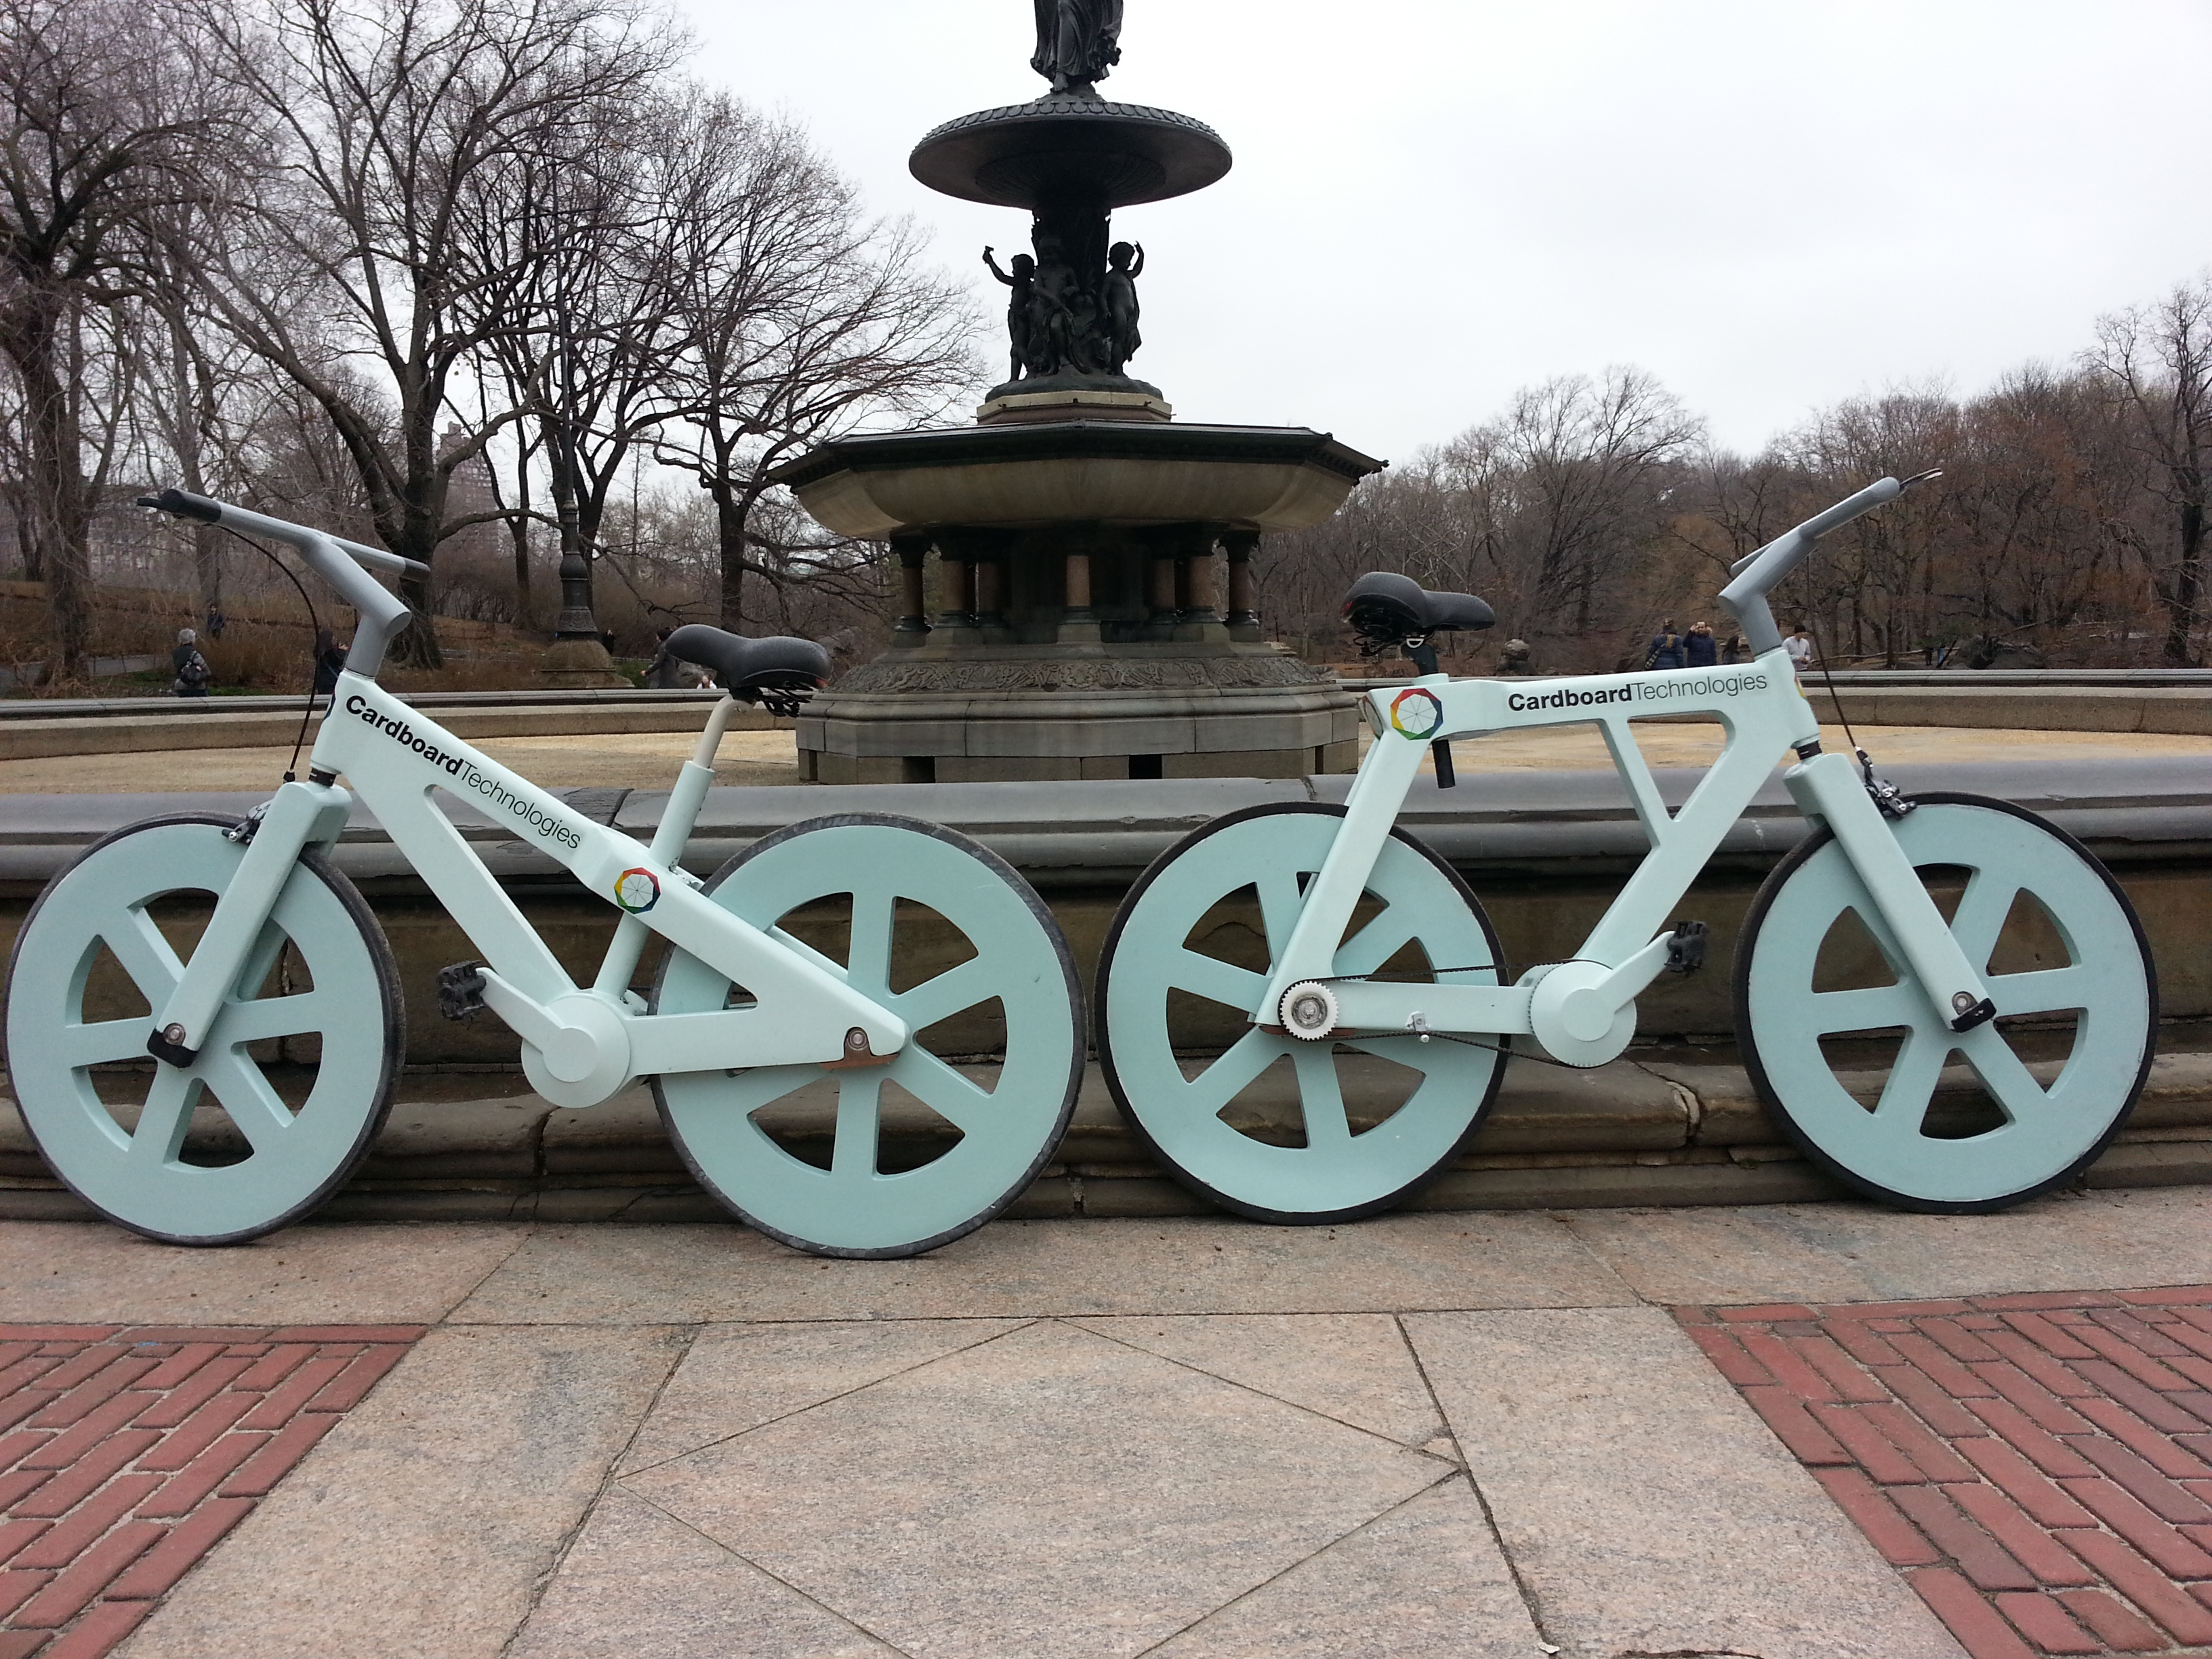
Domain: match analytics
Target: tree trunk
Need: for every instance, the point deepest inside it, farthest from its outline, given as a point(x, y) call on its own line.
point(730, 531)
point(57, 519)
point(2188, 587)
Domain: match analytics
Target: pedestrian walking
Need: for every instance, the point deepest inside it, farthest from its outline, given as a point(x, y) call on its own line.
point(1733, 649)
point(1665, 650)
point(1699, 648)
point(665, 672)
point(1799, 645)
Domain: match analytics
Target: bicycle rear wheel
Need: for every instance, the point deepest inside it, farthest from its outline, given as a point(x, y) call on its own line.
point(1824, 995)
point(291, 1085)
point(886, 1160)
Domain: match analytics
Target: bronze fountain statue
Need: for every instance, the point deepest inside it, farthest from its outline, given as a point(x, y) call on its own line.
point(1072, 533)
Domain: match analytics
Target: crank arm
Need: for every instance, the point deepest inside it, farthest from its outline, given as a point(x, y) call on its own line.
point(1485, 1010)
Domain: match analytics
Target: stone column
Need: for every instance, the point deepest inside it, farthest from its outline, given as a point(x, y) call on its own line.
point(1078, 623)
point(990, 594)
point(1160, 624)
point(1198, 617)
point(957, 588)
point(1243, 619)
point(913, 626)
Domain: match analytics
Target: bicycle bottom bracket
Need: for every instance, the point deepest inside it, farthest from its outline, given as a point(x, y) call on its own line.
point(1309, 1011)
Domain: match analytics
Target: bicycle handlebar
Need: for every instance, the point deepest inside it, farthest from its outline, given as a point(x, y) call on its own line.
point(336, 561)
point(1758, 572)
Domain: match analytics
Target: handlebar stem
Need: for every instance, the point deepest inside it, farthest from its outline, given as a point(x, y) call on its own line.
point(336, 561)
point(1757, 574)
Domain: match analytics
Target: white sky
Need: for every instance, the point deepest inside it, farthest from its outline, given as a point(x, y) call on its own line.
point(1770, 204)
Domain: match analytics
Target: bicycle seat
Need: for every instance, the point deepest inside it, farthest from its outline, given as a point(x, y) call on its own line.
point(1385, 607)
point(743, 666)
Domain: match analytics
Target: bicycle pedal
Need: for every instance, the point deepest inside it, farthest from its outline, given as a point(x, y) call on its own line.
point(1686, 947)
point(460, 991)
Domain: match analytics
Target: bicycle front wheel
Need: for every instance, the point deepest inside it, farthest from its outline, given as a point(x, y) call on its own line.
point(1260, 1123)
point(886, 1160)
point(1824, 998)
point(291, 1085)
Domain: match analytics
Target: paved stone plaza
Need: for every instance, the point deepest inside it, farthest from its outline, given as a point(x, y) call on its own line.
point(1438, 1434)
point(649, 760)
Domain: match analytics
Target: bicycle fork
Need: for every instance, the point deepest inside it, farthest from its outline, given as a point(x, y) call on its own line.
point(1828, 790)
point(298, 816)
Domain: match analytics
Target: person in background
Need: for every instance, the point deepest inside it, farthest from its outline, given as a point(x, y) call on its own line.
point(330, 658)
point(1799, 645)
point(1665, 650)
point(216, 621)
point(193, 674)
point(1733, 649)
point(1699, 648)
point(664, 672)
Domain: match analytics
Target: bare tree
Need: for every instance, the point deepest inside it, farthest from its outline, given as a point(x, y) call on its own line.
point(2156, 362)
point(105, 124)
point(799, 320)
point(385, 120)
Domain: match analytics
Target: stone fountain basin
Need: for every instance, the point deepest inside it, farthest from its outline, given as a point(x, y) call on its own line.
point(1116, 472)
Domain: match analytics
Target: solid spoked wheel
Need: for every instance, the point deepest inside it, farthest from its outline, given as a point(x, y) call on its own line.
point(1264, 1124)
point(1823, 997)
point(887, 1160)
point(293, 1079)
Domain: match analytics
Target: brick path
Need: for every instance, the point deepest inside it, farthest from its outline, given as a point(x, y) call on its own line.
point(125, 1454)
point(2039, 1467)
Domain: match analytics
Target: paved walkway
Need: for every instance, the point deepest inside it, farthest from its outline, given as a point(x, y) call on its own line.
point(1423, 1436)
point(649, 760)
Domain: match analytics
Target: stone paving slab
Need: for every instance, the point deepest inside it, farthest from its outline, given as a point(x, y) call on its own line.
point(1859, 1252)
point(126, 1454)
point(1418, 1436)
point(1028, 1269)
point(420, 1527)
point(2038, 1466)
point(353, 1275)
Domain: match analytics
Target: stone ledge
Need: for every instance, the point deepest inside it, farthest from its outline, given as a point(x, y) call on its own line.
point(1627, 1134)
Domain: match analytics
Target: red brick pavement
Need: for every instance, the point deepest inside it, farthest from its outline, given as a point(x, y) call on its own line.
point(125, 1453)
point(2039, 1467)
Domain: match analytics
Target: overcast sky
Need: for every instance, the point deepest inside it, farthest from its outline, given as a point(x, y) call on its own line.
point(1770, 204)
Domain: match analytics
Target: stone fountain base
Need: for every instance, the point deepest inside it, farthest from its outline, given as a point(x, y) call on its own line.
point(950, 713)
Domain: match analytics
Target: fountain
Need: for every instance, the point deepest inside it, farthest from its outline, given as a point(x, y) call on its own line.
point(1082, 628)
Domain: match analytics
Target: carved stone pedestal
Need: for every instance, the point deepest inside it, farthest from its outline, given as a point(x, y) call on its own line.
point(971, 714)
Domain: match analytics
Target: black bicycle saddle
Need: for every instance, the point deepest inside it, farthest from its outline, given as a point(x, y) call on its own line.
point(747, 668)
point(1387, 607)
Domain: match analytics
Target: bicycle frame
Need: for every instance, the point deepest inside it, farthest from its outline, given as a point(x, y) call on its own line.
point(583, 1045)
point(1581, 1009)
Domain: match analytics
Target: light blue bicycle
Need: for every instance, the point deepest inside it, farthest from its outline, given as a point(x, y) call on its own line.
point(1305, 1013)
point(933, 1020)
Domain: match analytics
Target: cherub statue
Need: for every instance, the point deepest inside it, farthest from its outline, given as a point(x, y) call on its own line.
point(1124, 263)
point(1021, 306)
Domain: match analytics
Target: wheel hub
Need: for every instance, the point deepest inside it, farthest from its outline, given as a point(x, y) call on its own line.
point(1309, 1011)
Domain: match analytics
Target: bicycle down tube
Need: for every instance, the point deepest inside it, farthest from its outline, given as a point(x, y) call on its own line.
point(1579, 1015)
point(590, 1044)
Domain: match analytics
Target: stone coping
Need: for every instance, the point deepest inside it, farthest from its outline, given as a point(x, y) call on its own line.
point(48, 709)
point(1103, 832)
point(1631, 1133)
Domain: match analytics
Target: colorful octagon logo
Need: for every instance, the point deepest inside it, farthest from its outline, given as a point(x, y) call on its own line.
point(637, 891)
point(1416, 714)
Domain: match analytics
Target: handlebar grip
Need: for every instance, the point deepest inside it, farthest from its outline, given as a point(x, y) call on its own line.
point(184, 504)
point(1884, 489)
